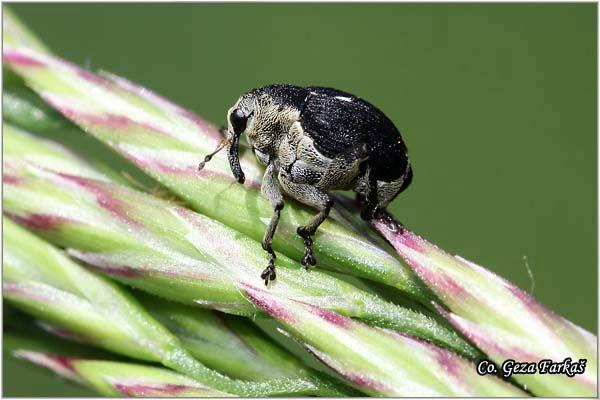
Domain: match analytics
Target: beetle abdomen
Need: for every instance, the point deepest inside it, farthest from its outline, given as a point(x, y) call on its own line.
point(336, 120)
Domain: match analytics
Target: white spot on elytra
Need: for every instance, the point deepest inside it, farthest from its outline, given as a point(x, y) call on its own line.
point(348, 99)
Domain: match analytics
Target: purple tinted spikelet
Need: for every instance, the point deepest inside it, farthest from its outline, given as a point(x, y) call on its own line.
point(501, 319)
point(43, 282)
point(110, 378)
point(377, 361)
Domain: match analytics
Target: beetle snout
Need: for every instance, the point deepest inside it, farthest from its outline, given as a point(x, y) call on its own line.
point(237, 120)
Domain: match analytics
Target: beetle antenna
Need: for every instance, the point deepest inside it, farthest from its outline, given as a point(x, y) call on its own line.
point(209, 157)
point(234, 159)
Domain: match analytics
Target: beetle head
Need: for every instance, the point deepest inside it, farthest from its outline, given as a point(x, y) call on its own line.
point(263, 118)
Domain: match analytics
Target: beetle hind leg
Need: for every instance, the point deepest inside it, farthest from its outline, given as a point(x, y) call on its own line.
point(378, 195)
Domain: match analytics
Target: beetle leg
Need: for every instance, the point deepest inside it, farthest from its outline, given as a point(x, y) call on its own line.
point(369, 199)
point(271, 191)
point(308, 230)
point(374, 208)
point(360, 200)
point(313, 197)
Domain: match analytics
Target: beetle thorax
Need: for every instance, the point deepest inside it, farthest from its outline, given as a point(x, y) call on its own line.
point(270, 123)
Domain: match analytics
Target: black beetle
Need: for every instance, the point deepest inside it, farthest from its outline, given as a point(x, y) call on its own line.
point(313, 140)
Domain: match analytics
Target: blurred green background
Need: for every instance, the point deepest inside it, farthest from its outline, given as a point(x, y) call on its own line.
point(497, 103)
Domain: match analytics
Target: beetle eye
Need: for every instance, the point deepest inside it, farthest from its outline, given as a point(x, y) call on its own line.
point(238, 120)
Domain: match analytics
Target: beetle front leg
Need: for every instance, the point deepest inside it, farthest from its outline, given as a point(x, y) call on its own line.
point(313, 197)
point(270, 189)
point(267, 244)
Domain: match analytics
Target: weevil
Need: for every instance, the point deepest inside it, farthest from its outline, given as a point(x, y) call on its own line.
point(314, 140)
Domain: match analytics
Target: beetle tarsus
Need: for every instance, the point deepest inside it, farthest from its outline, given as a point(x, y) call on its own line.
point(392, 224)
point(389, 220)
point(360, 200)
point(367, 212)
point(309, 258)
point(269, 273)
point(381, 214)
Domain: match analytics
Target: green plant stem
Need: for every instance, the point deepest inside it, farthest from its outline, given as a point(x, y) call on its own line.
point(42, 281)
point(173, 252)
